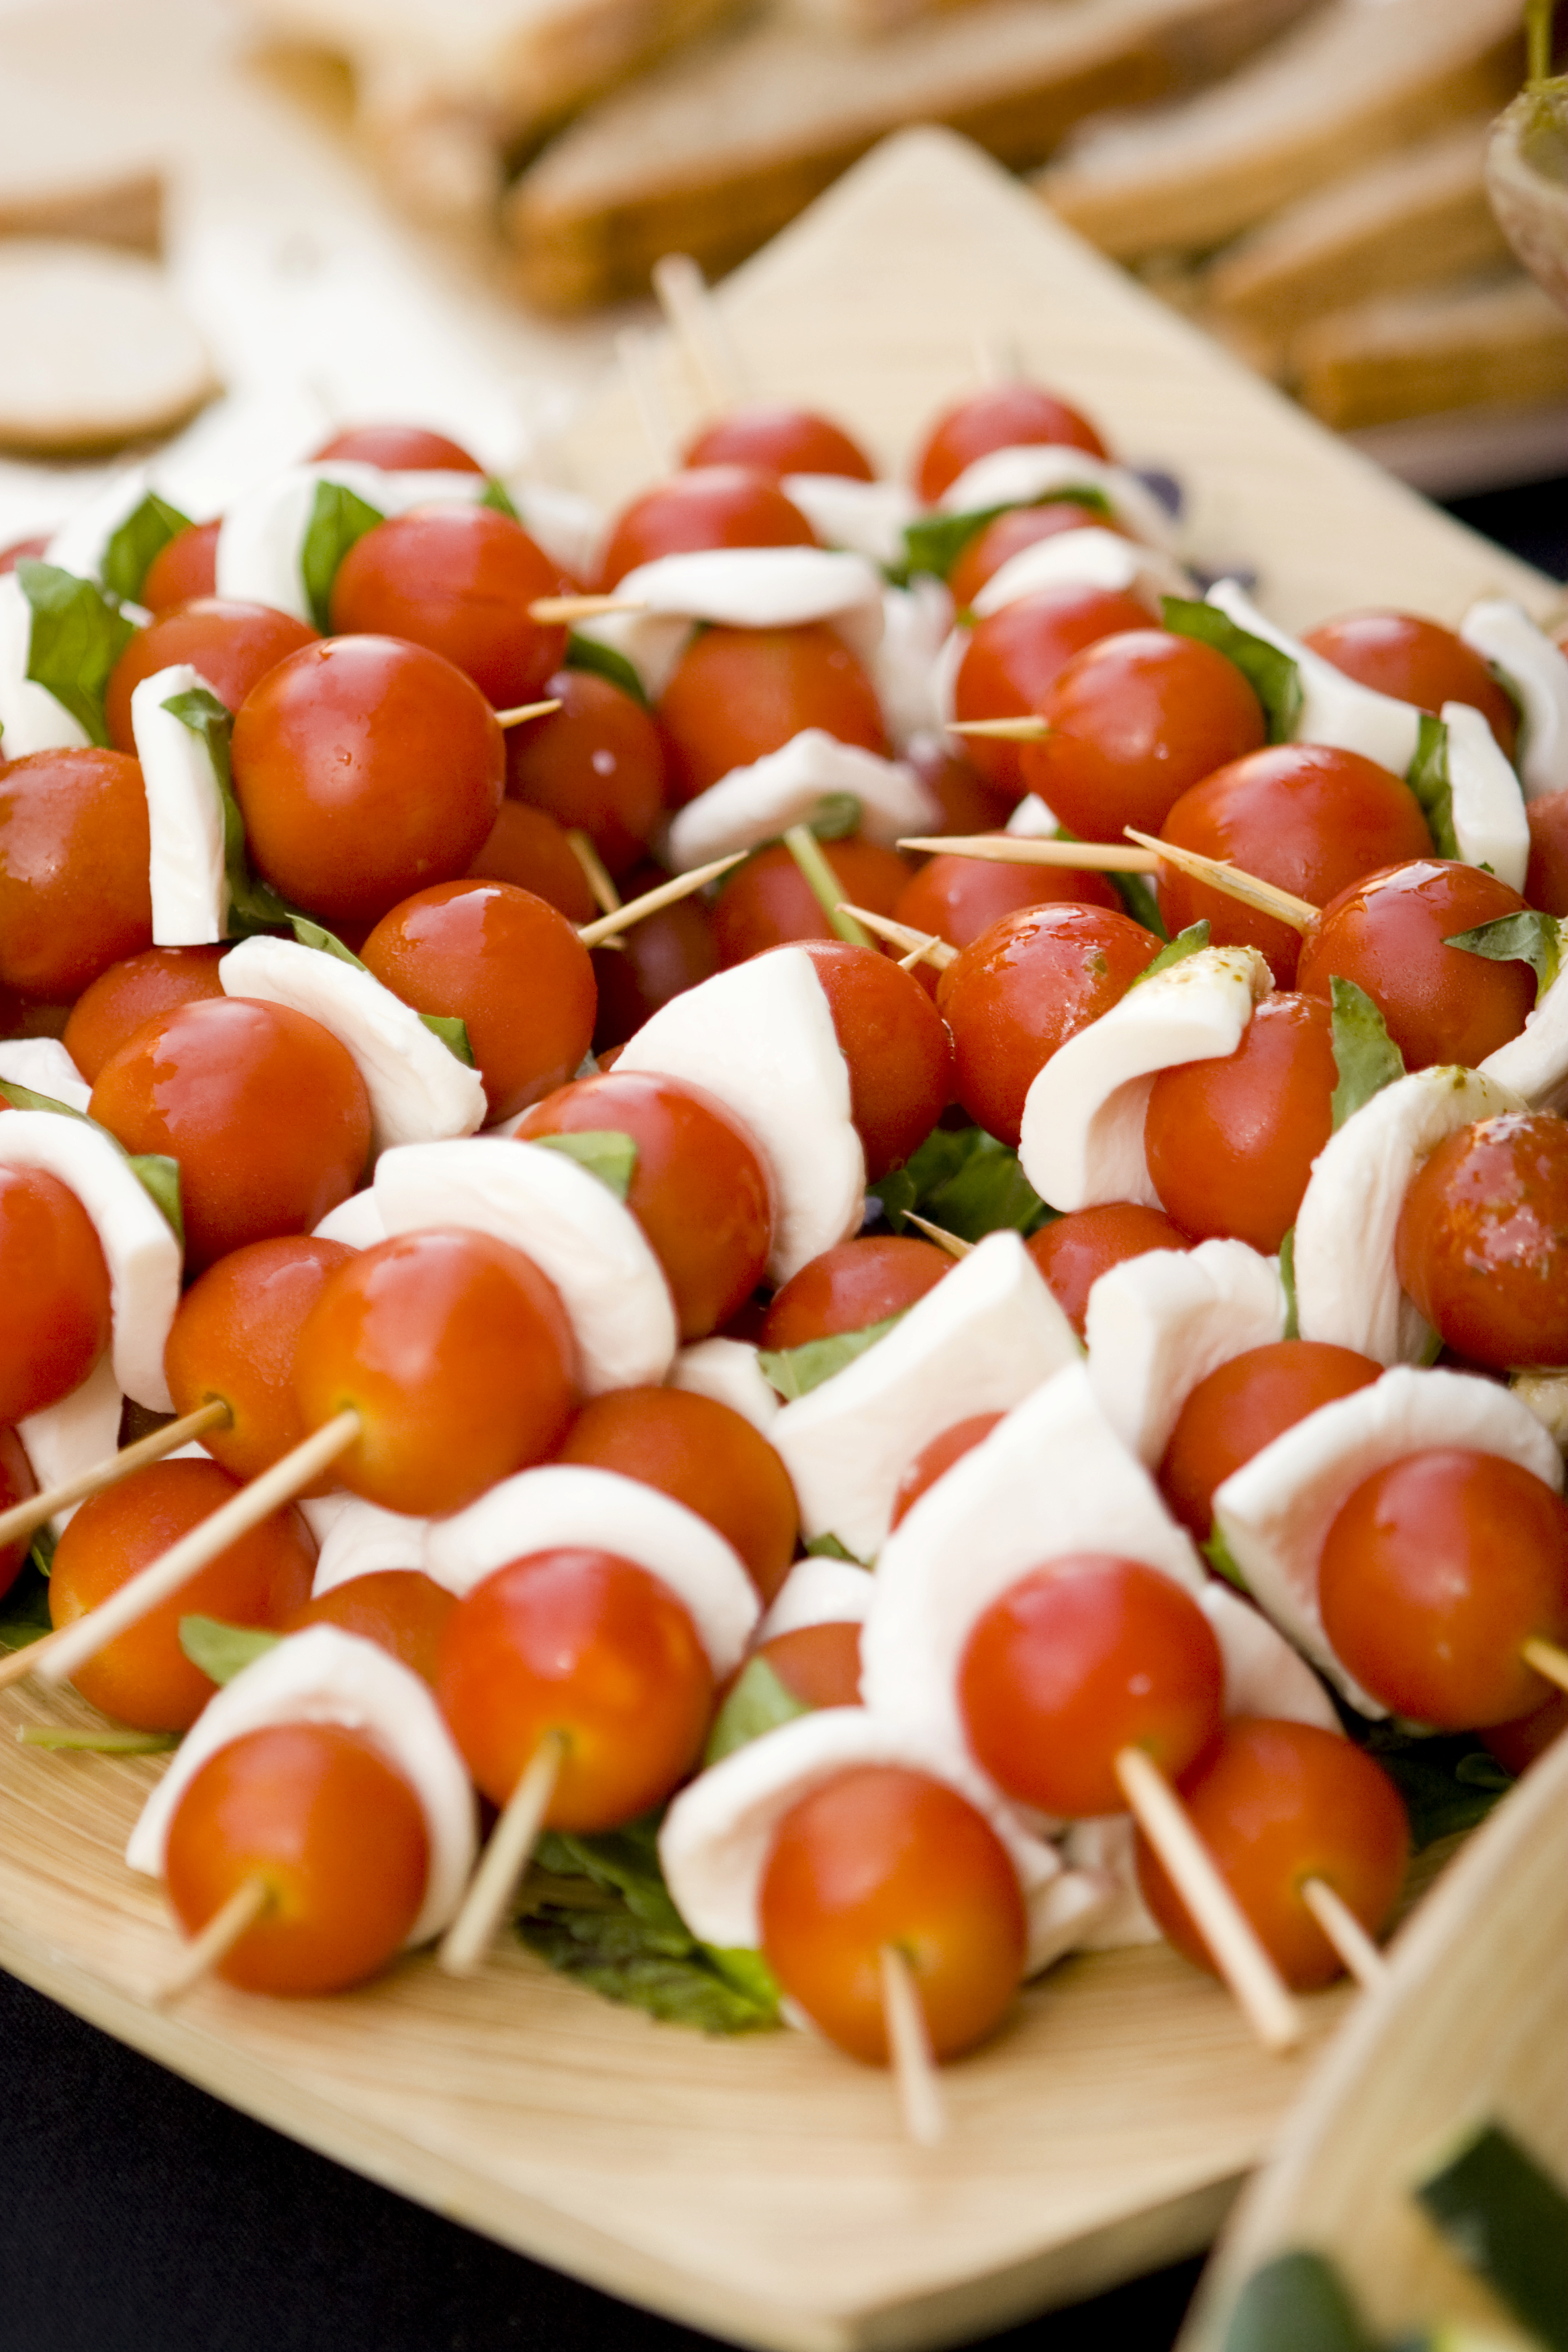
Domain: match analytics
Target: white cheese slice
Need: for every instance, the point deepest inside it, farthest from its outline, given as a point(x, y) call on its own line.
point(188, 871)
point(1033, 821)
point(568, 1504)
point(759, 803)
point(365, 1540)
point(569, 528)
point(419, 1089)
point(81, 542)
point(1107, 1846)
point(818, 1592)
point(1051, 1479)
point(1489, 824)
point(916, 621)
point(30, 718)
point(43, 1067)
point(988, 1333)
point(1335, 710)
point(557, 1213)
point(1081, 1138)
point(1263, 1675)
point(1029, 473)
point(139, 1246)
point(761, 1038)
point(76, 1434)
point(401, 488)
point(945, 676)
point(739, 588)
point(1159, 1324)
point(728, 1372)
point(867, 518)
point(262, 538)
point(1534, 1065)
point(1347, 1285)
point(719, 1832)
point(325, 1675)
point(321, 1512)
point(1276, 1511)
point(1085, 558)
point(356, 1222)
point(1535, 672)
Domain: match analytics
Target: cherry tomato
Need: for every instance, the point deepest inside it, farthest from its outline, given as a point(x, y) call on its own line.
point(120, 999)
point(333, 1830)
point(1237, 1411)
point(1002, 416)
point(1230, 1141)
point(234, 1339)
point(1417, 661)
point(365, 769)
point(55, 1287)
point(1388, 933)
point(1136, 720)
point(597, 763)
point(931, 1463)
point(400, 449)
point(185, 566)
point(700, 1188)
point(1517, 1745)
point(708, 506)
point(899, 1056)
point(886, 1856)
point(656, 959)
point(586, 1645)
point(958, 898)
point(1275, 1804)
point(1022, 989)
point(529, 850)
point(144, 1676)
point(74, 851)
point(1436, 1573)
point(852, 1286)
point(1014, 658)
point(1546, 877)
point(1073, 1251)
point(398, 1609)
point(1007, 534)
point(1482, 1240)
point(459, 580)
point(17, 1484)
point(768, 902)
point(1308, 818)
point(774, 438)
point(705, 1457)
point(1078, 1660)
point(456, 1354)
point(232, 644)
point(23, 551)
point(736, 693)
point(818, 1665)
point(968, 801)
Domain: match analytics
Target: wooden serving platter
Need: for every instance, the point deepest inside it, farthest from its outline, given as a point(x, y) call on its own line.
point(760, 2188)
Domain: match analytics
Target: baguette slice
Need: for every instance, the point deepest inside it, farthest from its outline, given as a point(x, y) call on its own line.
point(95, 350)
point(1461, 346)
point(71, 169)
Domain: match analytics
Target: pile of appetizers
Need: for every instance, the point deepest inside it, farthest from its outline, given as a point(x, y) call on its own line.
point(840, 1400)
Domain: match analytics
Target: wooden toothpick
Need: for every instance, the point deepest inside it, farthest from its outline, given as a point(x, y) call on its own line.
point(929, 949)
point(1547, 1659)
point(953, 1244)
point(556, 609)
point(921, 2102)
point(211, 1946)
point(503, 1862)
point(525, 710)
point(606, 898)
point(1002, 731)
point(593, 935)
point(693, 319)
point(1027, 850)
point(1344, 1931)
point(22, 1518)
point(1220, 875)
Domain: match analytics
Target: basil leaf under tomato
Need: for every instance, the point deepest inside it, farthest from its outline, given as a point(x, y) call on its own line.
point(1365, 1056)
point(605, 1151)
point(934, 542)
point(966, 1181)
point(757, 1704)
point(603, 661)
point(1271, 674)
point(143, 534)
point(158, 1175)
point(1428, 777)
point(219, 1651)
point(339, 519)
point(1529, 938)
point(77, 636)
point(796, 1372)
point(1185, 943)
point(497, 496)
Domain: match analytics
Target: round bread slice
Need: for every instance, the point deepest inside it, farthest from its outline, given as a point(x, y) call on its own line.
point(97, 351)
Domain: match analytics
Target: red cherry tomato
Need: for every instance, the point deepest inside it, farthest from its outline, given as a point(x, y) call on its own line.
point(1546, 877)
point(17, 1484)
point(1235, 1412)
point(233, 645)
point(459, 580)
point(1014, 656)
point(1517, 1745)
point(597, 763)
point(899, 1057)
point(234, 1340)
point(399, 1609)
point(1482, 1240)
point(931, 1463)
point(400, 449)
point(656, 959)
point(774, 438)
point(1388, 933)
point(120, 999)
point(55, 1284)
point(818, 1665)
point(1007, 534)
point(851, 1287)
point(183, 568)
point(529, 850)
point(1002, 416)
point(710, 506)
point(74, 851)
point(958, 898)
point(968, 802)
point(1073, 1251)
point(1417, 661)
point(736, 693)
point(768, 902)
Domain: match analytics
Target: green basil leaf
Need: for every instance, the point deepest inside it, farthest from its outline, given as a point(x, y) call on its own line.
point(603, 661)
point(1221, 1559)
point(829, 1547)
point(1185, 943)
point(98, 1743)
point(758, 1703)
point(141, 537)
point(1428, 777)
point(985, 1192)
point(158, 1176)
point(1439, 1778)
point(1271, 674)
point(1529, 938)
point(312, 934)
point(221, 1650)
point(339, 519)
point(1287, 1280)
point(796, 1372)
point(835, 815)
point(453, 1033)
point(1365, 1056)
point(42, 1551)
point(934, 542)
point(1297, 2303)
point(22, 1097)
point(1136, 892)
point(25, 1610)
point(496, 496)
point(76, 639)
point(605, 1151)
point(1507, 2220)
point(253, 905)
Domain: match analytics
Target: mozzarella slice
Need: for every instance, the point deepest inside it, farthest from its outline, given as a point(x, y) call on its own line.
point(1107, 1846)
point(739, 588)
point(1335, 710)
point(1347, 1285)
point(728, 1372)
point(262, 538)
point(916, 621)
point(356, 1222)
point(818, 1592)
point(81, 542)
point(1085, 558)
point(570, 528)
point(1263, 1675)
point(419, 1089)
point(1029, 473)
point(945, 676)
point(1535, 672)
point(983, 1339)
point(365, 1540)
point(1276, 1511)
point(720, 1830)
point(1033, 821)
point(757, 803)
point(76, 1434)
point(761, 1038)
point(325, 1675)
point(139, 1246)
point(188, 871)
point(565, 1504)
point(1159, 1324)
point(321, 1512)
point(30, 718)
point(867, 518)
point(1489, 824)
point(1081, 1140)
point(43, 1066)
point(557, 1213)
point(1051, 1479)
point(1534, 1065)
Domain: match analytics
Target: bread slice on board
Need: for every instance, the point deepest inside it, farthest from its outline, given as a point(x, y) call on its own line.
point(70, 173)
point(1500, 340)
point(713, 153)
point(1356, 80)
point(96, 351)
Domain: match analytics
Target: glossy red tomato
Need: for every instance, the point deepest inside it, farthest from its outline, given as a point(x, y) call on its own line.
point(399, 1609)
point(899, 1056)
point(1482, 1246)
point(1234, 1413)
point(818, 1665)
point(232, 644)
point(1546, 877)
point(596, 763)
point(1007, 534)
point(185, 566)
point(736, 693)
point(1417, 661)
point(958, 898)
point(968, 801)
point(399, 449)
point(1389, 932)
point(234, 1340)
point(54, 1283)
point(1072, 1252)
point(1518, 1745)
point(708, 506)
point(458, 579)
point(656, 959)
point(120, 999)
point(938, 1456)
point(17, 1484)
point(530, 850)
point(1002, 416)
point(777, 439)
point(1014, 656)
point(768, 902)
point(74, 890)
point(852, 1286)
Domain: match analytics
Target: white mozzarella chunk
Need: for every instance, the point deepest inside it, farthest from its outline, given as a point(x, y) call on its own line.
point(1347, 1284)
point(719, 1832)
point(187, 868)
point(76, 1434)
point(818, 1592)
point(263, 533)
point(565, 1504)
point(1263, 1675)
point(399, 488)
point(739, 588)
point(1159, 1324)
point(1276, 1511)
point(1335, 710)
point(1491, 827)
point(1033, 821)
point(325, 1675)
point(43, 1067)
point(757, 803)
point(916, 621)
point(1029, 473)
point(139, 1246)
point(419, 1089)
point(557, 1211)
point(728, 1372)
point(867, 518)
point(356, 1223)
point(1051, 1479)
point(365, 1540)
point(1107, 1846)
point(988, 1333)
point(761, 1038)
point(322, 1512)
point(1081, 1140)
point(1068, 1915)
point(1085, 558)
point(1534, 1065)
point(30, 718)
point(945, 676)
point(81, 542)
point(570, 528)
point(1535, 672)
point(1545, 1394)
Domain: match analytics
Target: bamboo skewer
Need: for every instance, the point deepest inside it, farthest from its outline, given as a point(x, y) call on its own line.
point(22, 1518)
point(921, 946)
point(503, 1862)
point(206, 1950)
point(593, 935)
point(1025, 849)
point(693, 319)
point(1001, 730)
point(1220, 875)
point(526, 711)
point(1547, 1659)
point(1344, 1931)
point(556, 609)
point(919, 2086)
point(824, 883)
point(606, 898)
point(953, 1244)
